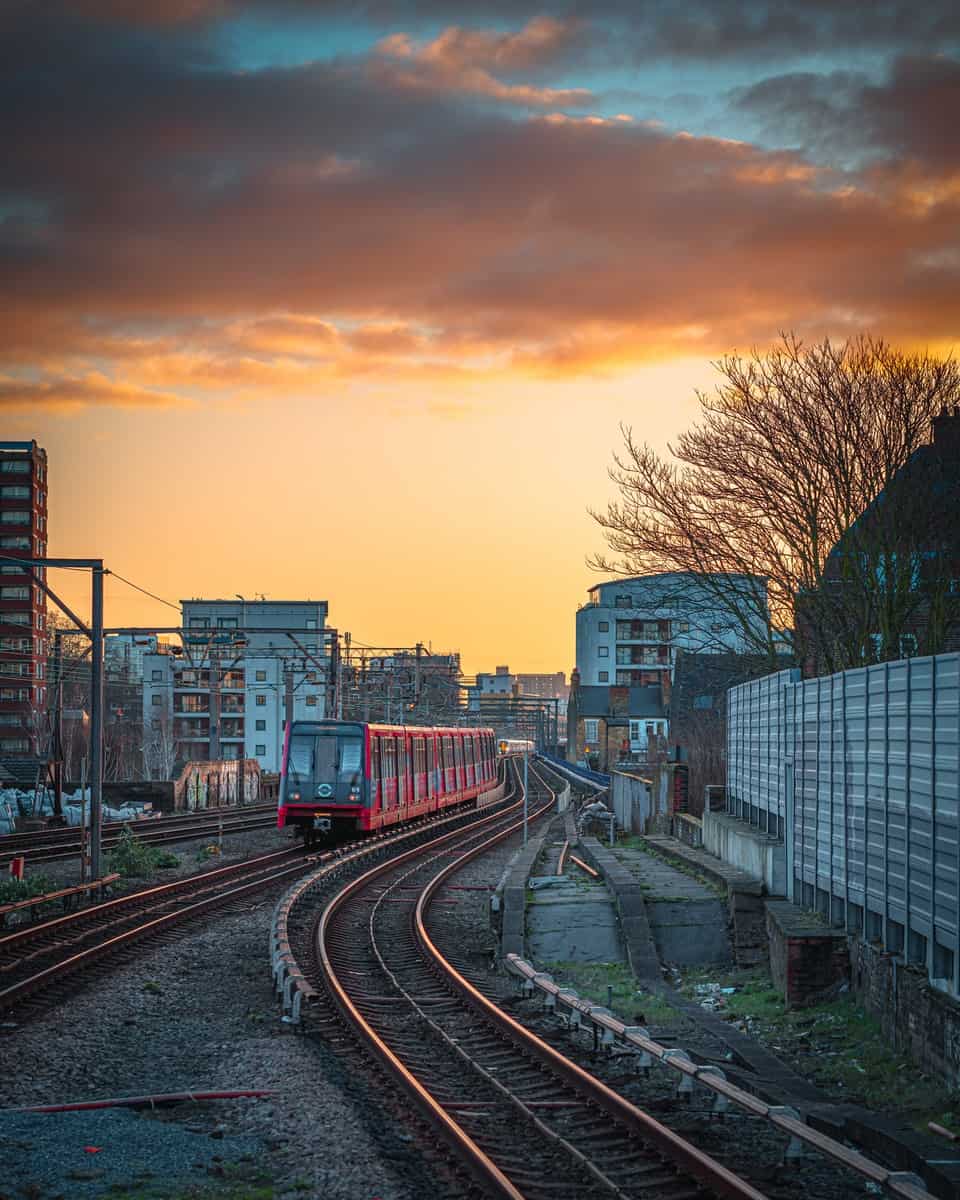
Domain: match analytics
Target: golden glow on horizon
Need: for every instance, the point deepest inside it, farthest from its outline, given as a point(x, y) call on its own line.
point(469, 533)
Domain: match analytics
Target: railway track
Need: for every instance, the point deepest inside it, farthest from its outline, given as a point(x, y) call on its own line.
point(38, 960)
point(49, 845)
point(528, 1123)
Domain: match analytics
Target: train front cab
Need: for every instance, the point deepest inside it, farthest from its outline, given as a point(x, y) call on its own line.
point(324, 786)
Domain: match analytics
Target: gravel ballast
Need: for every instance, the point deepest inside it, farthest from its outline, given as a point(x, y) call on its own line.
point(196, 1013)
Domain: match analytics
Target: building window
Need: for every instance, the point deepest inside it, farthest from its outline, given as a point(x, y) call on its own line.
point(155, 699)
point(590, 730)
point(312, 677)
point(15, 517)
point(635, 731)
point(260, 750)
point(261, 699)
point(683, 626)
point(16, 543)
point(908, 641)
point(623, 602)
point(261, 676)
point(311, 701)
point(603, 651)
point(604, 676)
point(261, 727)
point(226, 622)
point(311, 623)
point(156, 676)
point(604, 626)
point(15, 466)
point(13, 491)
point(199, 622)
point(14, 593)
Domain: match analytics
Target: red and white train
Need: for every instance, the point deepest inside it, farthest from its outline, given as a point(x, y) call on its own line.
point(346, 777)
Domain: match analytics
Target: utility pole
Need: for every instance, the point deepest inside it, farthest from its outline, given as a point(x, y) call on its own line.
point(96, 721)
point(288, 697)
point(214, 675)
point(339, 673)
point(57, 747)
point(526, 803)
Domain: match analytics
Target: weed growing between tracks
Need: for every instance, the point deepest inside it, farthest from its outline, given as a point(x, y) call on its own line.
point(836, 1045)
point(629, 1002)
point(12, 890)
point(131, 856)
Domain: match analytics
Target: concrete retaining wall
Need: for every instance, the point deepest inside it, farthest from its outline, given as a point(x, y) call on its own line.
point(747, 849)
point(628, 897)
point(508, 913)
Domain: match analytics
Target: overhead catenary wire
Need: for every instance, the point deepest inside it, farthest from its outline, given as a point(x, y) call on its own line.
point(145, 591)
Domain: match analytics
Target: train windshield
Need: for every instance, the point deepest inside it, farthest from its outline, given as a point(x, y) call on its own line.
point(321, 764)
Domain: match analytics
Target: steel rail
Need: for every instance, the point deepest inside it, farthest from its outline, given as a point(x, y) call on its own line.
point(695, 1162)
point(53, 844)
point(479, 1163)
point(25, 987)
point(896, 1183)
point(35, 930)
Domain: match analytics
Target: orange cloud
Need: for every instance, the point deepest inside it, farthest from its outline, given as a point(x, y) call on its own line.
point(462, 60)
point(74, 393)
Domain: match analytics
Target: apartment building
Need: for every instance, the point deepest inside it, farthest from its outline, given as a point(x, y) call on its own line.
point(245, 666)
point(23, 605)
point(630, 630)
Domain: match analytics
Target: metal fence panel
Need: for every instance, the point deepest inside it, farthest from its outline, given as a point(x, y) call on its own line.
point(868, 764)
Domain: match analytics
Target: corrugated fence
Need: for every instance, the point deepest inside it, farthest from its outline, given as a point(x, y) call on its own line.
point(860, 775)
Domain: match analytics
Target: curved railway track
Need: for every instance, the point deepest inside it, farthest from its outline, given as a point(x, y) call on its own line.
point(36, 960)
point(58, 842)
point(528, 1123)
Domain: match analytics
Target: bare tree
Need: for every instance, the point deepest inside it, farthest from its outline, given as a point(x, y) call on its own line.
point(159, 748)
point(791, 451)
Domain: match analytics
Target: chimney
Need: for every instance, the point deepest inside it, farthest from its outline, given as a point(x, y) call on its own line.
point(619, 702)
point(946, 431)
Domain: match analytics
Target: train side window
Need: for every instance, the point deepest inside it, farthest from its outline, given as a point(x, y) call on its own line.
point(374, 771)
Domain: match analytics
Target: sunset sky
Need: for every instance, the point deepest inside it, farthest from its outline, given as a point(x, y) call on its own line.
point(347, 301)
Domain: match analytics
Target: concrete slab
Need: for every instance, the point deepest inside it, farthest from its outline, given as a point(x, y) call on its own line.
point(573, 922)
point(690, 932)
point(659, 880)
point(688, 920)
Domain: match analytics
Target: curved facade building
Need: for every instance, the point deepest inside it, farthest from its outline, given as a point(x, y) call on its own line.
point(629, 631)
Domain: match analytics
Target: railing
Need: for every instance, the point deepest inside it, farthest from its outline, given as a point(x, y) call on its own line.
point(609, 1031)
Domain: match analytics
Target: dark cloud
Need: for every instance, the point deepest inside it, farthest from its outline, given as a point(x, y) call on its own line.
point(195, 226)
point(697, 29)
point(908, 117)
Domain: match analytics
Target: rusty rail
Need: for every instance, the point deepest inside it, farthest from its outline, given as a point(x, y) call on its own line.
point(903, 1184)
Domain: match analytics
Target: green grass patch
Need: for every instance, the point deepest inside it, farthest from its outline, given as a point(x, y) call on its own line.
point(131, 856)
point(836, 1045)
point(591, 981)
point(12, 890)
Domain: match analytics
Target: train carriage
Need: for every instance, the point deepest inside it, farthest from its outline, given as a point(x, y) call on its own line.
point(344, 777)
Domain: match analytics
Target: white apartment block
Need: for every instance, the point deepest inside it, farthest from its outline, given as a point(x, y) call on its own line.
point(629, 631)
point(244, 663)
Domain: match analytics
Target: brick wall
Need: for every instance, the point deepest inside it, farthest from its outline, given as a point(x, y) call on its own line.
point(920, 1020)
point(807, 964)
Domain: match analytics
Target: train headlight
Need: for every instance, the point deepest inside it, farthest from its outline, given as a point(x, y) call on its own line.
point(294, 795)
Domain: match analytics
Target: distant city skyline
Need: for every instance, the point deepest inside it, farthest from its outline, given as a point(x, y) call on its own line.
point(349, 301)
